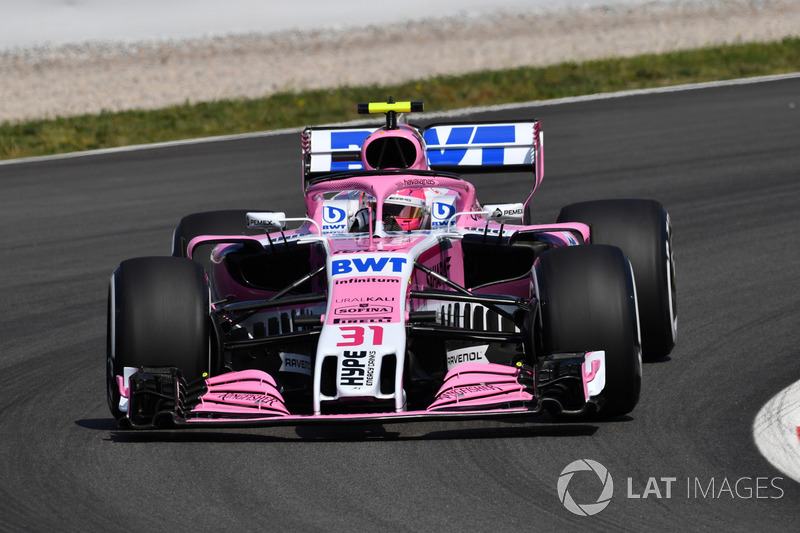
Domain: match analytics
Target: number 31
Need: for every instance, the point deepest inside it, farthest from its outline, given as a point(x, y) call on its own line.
point(354, 335)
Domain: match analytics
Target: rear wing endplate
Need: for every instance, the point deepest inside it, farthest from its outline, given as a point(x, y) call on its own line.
point(334, 149)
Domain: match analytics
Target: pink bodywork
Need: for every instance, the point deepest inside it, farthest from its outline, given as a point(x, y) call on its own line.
point(379, 298)
point(479, 384)
point(381, 187)
point(249, 392)
point(470, 388)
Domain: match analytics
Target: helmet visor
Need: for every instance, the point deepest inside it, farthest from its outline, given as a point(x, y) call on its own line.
point(402, 211)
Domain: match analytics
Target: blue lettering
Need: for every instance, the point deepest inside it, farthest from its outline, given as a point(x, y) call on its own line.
point(494, 134)
point(334, 215)
point(397, 263)
point(464, 135)
point(369, 264)
point(348, 140)
point(340, 266)
point(334, 227)
point(343, 166)
point(459, 135)
point(442, 211)
point(492, 156)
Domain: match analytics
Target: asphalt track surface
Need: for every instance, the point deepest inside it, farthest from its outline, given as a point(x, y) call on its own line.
point(724, 161)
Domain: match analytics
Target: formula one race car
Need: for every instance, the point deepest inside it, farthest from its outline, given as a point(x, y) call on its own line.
point(398, 296)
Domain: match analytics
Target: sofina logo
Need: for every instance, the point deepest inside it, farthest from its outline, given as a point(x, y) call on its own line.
point(585, 509)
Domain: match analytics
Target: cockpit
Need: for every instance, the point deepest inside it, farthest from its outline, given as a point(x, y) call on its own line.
point(407, 209)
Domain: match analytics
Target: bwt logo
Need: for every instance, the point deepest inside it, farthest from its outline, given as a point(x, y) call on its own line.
point(461, 135)
point(442, 211)
point(348, 140)
point(585, 509)
point(368, 264)
point(333, 215)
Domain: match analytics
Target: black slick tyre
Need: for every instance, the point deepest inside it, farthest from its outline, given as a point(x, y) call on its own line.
point(642, 229)
point(157, 317)
point(587, 303)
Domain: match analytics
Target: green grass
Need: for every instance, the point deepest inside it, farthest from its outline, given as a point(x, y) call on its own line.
point(283, 110)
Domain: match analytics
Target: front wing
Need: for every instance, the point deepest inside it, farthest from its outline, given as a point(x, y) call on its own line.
point(159, 397)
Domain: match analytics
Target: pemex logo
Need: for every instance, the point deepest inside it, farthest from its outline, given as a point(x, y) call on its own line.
point(585, 509)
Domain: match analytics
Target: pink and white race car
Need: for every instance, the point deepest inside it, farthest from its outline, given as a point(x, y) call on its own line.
point(398, 296)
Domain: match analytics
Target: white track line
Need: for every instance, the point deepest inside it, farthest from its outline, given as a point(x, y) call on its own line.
point(776, 431)
point(445, 114)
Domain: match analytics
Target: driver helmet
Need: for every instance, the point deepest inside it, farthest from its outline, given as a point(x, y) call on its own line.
point(405, 211)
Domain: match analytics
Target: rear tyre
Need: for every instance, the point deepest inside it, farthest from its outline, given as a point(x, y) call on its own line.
point(642, 229)
point(157, 316)
point(587, 302)
point(226, 222)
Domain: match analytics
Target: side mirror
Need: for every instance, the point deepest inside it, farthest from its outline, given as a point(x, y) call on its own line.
point(503, 212)
point(266, 220)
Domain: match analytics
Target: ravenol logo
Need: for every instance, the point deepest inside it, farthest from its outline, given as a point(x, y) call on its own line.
point(367, 264)
point(586, 509)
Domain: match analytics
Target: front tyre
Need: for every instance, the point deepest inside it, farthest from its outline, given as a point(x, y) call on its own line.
point(587, 302)
point(157, 316)
point(642, 229)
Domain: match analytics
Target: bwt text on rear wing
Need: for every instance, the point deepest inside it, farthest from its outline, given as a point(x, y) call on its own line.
point(459, 147)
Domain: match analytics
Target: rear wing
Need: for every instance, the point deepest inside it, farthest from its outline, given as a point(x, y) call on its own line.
point(480, 147)
point(483, 147)
point(461, 147)
point(454, 146)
